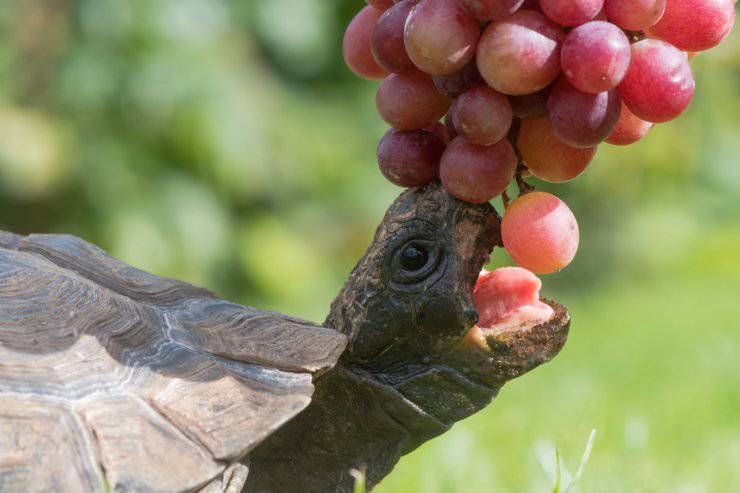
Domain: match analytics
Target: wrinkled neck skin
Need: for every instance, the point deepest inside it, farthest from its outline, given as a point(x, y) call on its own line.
point(408, 374)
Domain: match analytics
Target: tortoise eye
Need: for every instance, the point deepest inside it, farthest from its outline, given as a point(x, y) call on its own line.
point(414, 258)
point(415, 264)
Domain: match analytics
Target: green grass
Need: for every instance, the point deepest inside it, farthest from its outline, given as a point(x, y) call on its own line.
point(653, 365)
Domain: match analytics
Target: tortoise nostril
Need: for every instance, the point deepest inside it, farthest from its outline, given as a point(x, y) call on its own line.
point(470, 316)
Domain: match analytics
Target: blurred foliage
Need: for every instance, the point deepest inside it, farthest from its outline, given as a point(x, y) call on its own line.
point(223, 142)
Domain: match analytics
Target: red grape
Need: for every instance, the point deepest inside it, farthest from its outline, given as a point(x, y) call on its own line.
point(409, 101)
point(532, 105)
point(629, 129)
point(387, 41)
point(540, 233)
point(547, 157)
point(659, 84)
point(595, 56)
point(521, 53)
point(483, 116)
point(634, 15)
point(440, 131)
point(475, 173)
point(453, 85)
point(486, 10)
point(441, 36)
point(410, 159)
point(356, 46)
point(695, 25)
point(381, 4)
point(571, 12)
point(581, 119)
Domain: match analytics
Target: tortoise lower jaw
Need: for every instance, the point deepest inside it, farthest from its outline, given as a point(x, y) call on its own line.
point(505, 352)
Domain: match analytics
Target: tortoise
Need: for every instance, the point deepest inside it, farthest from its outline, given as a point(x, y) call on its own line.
point(113, 379)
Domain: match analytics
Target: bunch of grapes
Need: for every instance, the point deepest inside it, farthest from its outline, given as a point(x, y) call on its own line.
point(525, 88)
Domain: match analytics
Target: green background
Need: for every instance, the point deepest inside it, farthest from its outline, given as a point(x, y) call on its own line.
point(224, 143)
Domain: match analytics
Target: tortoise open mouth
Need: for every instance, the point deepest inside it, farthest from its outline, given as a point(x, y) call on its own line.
point(517, 330)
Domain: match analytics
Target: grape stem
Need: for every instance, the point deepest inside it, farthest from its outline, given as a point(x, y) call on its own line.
point(524, 187)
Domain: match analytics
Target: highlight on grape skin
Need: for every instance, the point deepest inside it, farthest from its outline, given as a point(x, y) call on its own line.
point(540, 233)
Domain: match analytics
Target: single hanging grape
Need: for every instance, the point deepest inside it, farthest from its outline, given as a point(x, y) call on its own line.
point(540, 233)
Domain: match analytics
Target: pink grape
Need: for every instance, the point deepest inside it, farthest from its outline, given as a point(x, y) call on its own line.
point(357, 45)
point(695, 25)
point(629, 129)
point(540, 233)
point(634, 15)
point(441, 36)
point(531, 106)
point(521, 53)
point(410, 159)
point(571, 13)
point(476, 173)
point(387, 41)
point(454, 84)
point(595, 56)
point(581, 119)
point(381, 4)
point(659, 84)
point(483, 116)
point(409, 101)
point(547, 157)
point(486, 10)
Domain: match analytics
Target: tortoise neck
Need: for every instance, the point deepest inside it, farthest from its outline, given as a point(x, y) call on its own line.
point(353, 422)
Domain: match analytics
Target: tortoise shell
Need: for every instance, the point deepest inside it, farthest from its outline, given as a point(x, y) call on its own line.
point(136, 382)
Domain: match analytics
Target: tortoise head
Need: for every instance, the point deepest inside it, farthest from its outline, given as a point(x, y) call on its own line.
point(413, 289)
point(408, 306)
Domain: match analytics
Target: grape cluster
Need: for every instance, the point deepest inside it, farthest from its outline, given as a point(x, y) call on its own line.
point(526, 88)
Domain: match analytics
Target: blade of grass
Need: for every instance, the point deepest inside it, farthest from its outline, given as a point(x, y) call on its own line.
point(584, 459)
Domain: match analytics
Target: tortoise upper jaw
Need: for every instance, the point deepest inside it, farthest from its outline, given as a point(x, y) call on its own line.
point(503, 354)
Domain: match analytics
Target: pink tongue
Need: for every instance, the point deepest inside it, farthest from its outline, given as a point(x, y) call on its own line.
point(509, 295)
